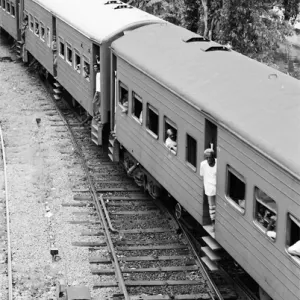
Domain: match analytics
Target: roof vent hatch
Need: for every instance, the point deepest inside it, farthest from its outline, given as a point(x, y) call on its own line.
point(112, 2)
point(121, 6)
point(196, 39)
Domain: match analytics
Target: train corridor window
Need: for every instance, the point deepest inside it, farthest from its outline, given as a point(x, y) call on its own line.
point(265, 213)
point(13, 10)
point(36, 27)
point(137, 107)
point(4, 5)
point(123, 97)
point(293, 238)
point(191, 152)
point(31, 23)
point(69, 54)
point(170, 135)
point(48, 37)
point(61, 47)
point(42, 26)
point(77, 61)
point(236, 189)
point(86, 69)
point(152, 121)
point(0, 3)
point(8, 6)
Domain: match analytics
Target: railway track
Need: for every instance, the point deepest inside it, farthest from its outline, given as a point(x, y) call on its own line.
point(6, 284)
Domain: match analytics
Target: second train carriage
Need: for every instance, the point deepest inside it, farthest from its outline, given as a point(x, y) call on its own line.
point(83, 31)
point(247, 111)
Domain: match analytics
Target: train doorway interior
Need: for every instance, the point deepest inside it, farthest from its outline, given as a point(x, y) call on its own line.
point(210, 141)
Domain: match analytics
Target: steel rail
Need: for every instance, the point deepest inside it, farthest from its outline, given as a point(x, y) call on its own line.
point(9, 260)
point(97, 204)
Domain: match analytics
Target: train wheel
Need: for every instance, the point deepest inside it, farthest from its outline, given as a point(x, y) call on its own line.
point(178, 211)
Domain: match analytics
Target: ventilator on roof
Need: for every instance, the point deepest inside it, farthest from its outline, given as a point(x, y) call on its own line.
point(113, 2)
point(122, 6)
point(196, 39)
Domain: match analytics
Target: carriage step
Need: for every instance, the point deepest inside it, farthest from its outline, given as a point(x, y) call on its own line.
point(210, 264)
point(211, 243)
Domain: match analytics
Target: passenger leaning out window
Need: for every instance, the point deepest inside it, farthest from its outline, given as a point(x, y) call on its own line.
point(124, 102)
point(171, 140)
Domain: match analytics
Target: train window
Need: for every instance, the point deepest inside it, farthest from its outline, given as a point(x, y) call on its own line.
point(86, 69)
point(137, 107)
point(265, 213)
point(191, 152)
point(61, 47)
point(48, 37)
point(0, 3)
point(36, 27)
point(236, 189)
point(13, 10)
point(77, 61)
point(8, 6)
point(170, 135)
point(31, 23)
point(42, 26)
point(69, 54)
point(152, 121)
point(123, 97)
point(293, 238)
point(4, 5)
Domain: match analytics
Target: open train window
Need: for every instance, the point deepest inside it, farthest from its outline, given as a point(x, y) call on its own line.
point(152, 121)
point(191, 152)
point(4, 5)
point(170, 135)
point(48, 37)
point(61, 47)
point(0, 3)
point(293, 238)
point(8, 6)
point(265, 213)
point(36, 27)
point(42, 27)
point(236, 189)
point(13, 10)
point(31, 23)
point(137, 107)
point(69, 54)
point(123, 97)
point(77, 61)
point(86, 68)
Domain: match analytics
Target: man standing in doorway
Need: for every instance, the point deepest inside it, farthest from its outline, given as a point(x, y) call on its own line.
point(97, 96)
point(208, 170)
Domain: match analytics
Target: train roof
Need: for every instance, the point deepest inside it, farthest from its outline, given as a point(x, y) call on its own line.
point(97, 19)
point(257, 102)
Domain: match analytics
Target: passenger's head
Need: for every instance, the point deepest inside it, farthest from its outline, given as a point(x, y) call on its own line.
point(209, 154)
point(54, 37)
point(96, 67)
point(171, 134)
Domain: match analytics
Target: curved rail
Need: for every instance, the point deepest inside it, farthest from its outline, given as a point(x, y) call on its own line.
point(99, 208)
point(9, 267)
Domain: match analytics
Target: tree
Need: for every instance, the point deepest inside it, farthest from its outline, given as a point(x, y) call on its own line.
point(291, 9)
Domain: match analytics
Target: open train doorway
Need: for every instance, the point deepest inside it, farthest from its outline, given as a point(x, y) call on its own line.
point(210, 142)
point(54, 46)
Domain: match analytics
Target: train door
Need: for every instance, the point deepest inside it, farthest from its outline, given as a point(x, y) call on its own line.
point(210, 142)
point(114, 93)
point(54, 46)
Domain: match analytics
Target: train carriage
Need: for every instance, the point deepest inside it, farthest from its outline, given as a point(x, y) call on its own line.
point(9, 17)
point(247, 111)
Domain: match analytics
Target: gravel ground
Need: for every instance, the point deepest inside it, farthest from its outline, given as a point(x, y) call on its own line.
point(39, 165)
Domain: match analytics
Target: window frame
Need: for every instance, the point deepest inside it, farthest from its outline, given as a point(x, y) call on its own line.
point(189, 164)
point(288, 243)
point(42, 26)
point(4, 5)
point(69, 46)
point(61, 42)
point(36, 21)
point(0, 3)
point(77, 53)
point(85, 59)
point(13, 9)
point(261, 228)
point(134, 97)
point(172, 124)
point(233, 203)
point(155, 110)
point(48, 36)
point(31, 23)
point(8, 5)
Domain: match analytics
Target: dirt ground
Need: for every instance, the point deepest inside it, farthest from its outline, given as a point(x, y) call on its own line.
point(39, 173)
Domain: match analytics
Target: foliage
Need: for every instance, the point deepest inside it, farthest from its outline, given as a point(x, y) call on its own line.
point(292, 8)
